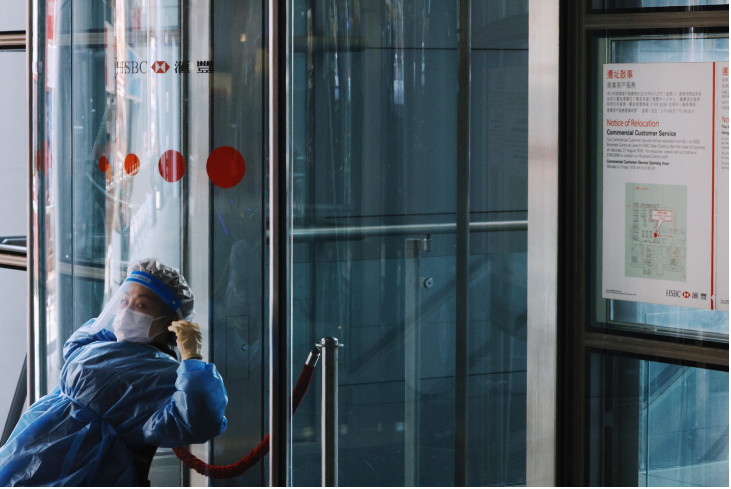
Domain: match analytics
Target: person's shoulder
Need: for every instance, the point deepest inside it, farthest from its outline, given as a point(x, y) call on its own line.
point(149, 353)
point(128, 356)
point(165, 357)
point(135, 362)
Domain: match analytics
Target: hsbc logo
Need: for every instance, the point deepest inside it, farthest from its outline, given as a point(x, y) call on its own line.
point(678, 293)
point(160, 66)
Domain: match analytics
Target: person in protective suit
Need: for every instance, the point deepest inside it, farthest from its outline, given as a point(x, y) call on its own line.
point(122, 392)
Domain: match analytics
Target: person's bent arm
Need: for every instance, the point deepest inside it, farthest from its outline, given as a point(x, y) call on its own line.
point(84, 336)
point(195, 413)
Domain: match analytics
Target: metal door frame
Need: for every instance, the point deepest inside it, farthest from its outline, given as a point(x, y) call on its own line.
point(280, 245)
point(30, 239)
point(543, 209)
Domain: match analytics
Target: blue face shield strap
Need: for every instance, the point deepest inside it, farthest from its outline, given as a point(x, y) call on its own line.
point(157, 287)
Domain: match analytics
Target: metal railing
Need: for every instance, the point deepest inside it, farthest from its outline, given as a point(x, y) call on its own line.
point(303, 235)
point(13, 244)
point(13, 252)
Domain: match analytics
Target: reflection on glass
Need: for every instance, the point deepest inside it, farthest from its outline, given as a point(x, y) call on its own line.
point(374, 131)
point(124, 92)
point(102, 121)
point(637, 4)
point(651, 48)
point(656, 424)
point(107, 124)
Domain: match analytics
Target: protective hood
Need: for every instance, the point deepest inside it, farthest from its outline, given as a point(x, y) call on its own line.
point(134, 311)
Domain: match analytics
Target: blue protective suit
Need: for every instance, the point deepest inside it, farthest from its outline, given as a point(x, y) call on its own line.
point(112, 398)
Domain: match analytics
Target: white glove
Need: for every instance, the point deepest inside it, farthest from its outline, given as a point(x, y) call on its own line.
point(190, 339)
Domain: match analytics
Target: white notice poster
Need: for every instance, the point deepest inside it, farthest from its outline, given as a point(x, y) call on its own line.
point(658, 183)
point(722, 214)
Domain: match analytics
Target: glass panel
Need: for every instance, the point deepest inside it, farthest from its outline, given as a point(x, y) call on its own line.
point(13, 133)
point(13, 18)
point(14, 290)
point(13, 197)
point(373, 145)
point(609, 5)
point(149, 141)
point(668, 319)
point(656, 424)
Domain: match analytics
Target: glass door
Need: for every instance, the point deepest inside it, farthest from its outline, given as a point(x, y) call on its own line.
point(374, 153)
point(148, 142)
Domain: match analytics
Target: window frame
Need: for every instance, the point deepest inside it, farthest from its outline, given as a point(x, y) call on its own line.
point(576, 341)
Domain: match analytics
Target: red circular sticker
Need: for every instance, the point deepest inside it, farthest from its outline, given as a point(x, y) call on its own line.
point(171, 166)
point(131, 164)
point(103, 164)
point(225, 167)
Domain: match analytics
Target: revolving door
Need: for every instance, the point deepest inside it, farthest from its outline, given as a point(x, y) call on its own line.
point(151, 136)
point(379, 239)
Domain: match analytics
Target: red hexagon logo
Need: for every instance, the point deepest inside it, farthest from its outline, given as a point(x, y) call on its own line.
point(686, 294)
point(160, 66)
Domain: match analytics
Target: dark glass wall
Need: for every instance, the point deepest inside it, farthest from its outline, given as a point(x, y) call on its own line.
point(237, 244)
point(374, 145)
point(656, 424)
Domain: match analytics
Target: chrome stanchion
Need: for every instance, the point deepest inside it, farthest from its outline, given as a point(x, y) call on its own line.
point(412, 348)
point(329, 347)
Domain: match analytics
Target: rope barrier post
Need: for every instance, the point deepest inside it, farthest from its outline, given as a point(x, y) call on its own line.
point(329, 347)
point(412, 349)
point(235, 470)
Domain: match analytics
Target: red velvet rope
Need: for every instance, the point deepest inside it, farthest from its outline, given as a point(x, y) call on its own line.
point(235, 470)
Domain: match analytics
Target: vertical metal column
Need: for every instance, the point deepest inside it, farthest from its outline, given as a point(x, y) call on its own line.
point(329, 347)
point(461, 373)
point(412, 357)
point(544, 22)
point(38, 338)
point(279, 249)
point(30, 48)
point(184, 49)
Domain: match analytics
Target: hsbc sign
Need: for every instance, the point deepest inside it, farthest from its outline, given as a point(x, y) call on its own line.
point(684, 294)
point(161, 67)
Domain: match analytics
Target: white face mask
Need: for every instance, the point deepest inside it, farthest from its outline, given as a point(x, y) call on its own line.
point(133, 326)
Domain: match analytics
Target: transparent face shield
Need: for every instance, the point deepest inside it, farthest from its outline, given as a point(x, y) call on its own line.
point(139, 311)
